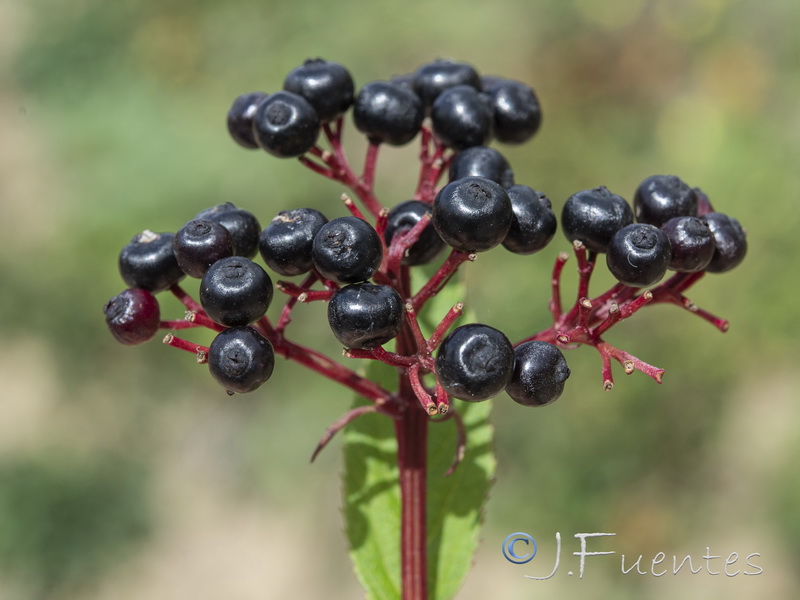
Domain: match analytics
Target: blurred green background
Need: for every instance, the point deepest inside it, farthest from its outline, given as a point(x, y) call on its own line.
point(127, 473)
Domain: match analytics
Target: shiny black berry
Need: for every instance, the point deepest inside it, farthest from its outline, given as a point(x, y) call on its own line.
point(240, 118)
point(402, 218)
point(517, 113)
point(240, 359)
point(731, 242)
point(462, 117)
point(431, 79)
point(533, 224)
point(482, 161)
point(199, 244)
point(472, 214)
point(286, 243)
point(660, 198)
point(242, 225)
point(365, 315)
point(148, 262)
point(540, 372)
point(692, 243)
point(594, 216)
point(388, 113)
point(474, 362)
point(638, 255)
point(285, 125)
point(347, 250)
point(327, 86)
point(235, 291)
point(132, 316)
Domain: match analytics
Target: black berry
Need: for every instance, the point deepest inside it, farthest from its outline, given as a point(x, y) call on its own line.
point(474, 362)
point(285, 125)
point(533, 224)
point(327, 86)
point(148, 262)
point(517, 113)
point(482, 161)
point(692, 243)
point(199, 244)
point(242, 225)
point(462, 117)
point(347, 250)
point(540, 372)
point(730, 239)
point(388, 112)
point(240, 359)
point(660, 198)
point(365, 315)
point(286, 242)
point(472, 214)
point(235, 291)
point(638, 255)
point(431, 79)
point(402, 218)
point(132, 316)
point(594, 216)
point(240, 118)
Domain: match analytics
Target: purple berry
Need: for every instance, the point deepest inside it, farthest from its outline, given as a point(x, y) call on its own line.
point(132, 316)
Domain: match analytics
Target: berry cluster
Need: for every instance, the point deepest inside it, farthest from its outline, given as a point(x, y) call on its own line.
point(360, 263)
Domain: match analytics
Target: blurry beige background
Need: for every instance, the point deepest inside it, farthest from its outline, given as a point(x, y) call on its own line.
point(127, 473)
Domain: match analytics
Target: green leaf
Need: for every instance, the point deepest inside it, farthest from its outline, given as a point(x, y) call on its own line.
point(455, 503)
point(372, 496)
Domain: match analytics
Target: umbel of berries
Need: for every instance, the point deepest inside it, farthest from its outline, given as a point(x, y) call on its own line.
point(378, 261)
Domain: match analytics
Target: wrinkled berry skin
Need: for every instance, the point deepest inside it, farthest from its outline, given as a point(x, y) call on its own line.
point(638, 255)
point(462, 117)
point(235, 291)
point(517, 113)
point(594, 216)
point(660, 198)
point(148, 262)
point(240, 359)
point(540, 371)
point(240, 119)
point(472, 214)
point(533, 224)
point(132, 316)
point(347, 250)
point(401, 219)
point(691, 242)
point(365, 315)
point(482, 161)
point(285, 125)
point(474, 362)
point(199, 244)
point(286, 243)
point(327, 86)
point(242, 225)
point(731, 242)
point(431, 79)
point(388, 113)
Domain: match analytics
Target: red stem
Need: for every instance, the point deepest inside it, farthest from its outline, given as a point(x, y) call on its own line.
point(411, 430)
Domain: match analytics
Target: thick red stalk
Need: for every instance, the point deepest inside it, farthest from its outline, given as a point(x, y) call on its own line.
point(412, 436)
point(411, 431)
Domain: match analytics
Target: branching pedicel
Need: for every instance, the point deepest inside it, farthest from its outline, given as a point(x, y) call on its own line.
point(454, 112)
